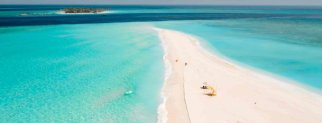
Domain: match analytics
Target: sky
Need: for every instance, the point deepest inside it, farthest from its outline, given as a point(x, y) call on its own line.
point(170, 2)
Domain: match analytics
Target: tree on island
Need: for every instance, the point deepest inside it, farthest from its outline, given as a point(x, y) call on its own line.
point(85, 10)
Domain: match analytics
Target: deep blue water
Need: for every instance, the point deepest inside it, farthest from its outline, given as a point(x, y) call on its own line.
point(11, 15)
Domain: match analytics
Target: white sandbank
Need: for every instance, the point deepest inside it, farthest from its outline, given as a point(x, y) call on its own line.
point(243, 95)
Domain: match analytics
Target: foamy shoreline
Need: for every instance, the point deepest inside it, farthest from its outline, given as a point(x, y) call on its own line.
point(244, 95)
point(162, 111)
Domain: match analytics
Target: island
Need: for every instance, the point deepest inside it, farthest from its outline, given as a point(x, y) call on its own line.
point(84, 10)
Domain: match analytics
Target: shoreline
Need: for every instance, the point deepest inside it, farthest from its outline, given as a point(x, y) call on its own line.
point(162, 111)
point(263, 101)
point(212, 52)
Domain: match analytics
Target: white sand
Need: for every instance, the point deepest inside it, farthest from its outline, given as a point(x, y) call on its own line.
point(238, 88)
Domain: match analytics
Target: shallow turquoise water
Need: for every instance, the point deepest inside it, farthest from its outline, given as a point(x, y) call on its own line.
point(79, 73)
point(28, 13)
point(286, 47)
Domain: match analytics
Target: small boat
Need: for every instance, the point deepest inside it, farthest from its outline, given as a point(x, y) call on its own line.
point(128, 92)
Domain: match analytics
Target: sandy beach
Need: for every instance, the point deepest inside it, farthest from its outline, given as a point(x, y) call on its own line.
point(243, 95)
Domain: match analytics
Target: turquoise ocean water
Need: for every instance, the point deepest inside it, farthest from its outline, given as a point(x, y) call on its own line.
point(113, 72)
point(80, 73)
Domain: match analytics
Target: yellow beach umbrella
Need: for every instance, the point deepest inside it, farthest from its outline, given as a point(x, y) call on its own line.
point(212, 91)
